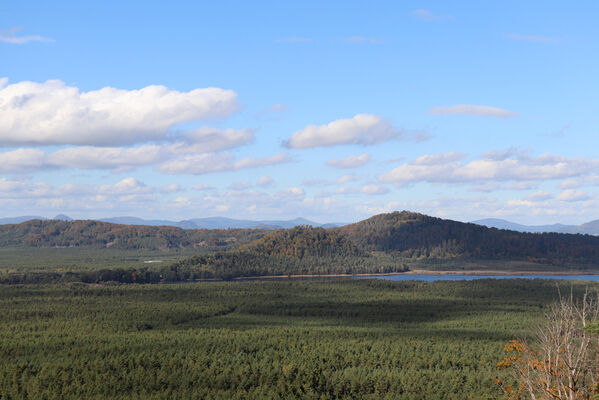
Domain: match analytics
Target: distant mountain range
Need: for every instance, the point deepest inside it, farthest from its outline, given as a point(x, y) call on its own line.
point(196, 223)
point(590, 228)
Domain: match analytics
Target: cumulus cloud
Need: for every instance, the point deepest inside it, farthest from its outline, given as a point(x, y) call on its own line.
point(10, 36)
point(52, 113)
point(364, 129)
point(450, 168)
point(350, 162)
point(470, 109)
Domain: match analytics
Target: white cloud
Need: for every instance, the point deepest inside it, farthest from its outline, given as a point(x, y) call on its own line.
point(350, 162)
point(521, 185)
point(52, 113)
point(217, 162)
point(199, 164)
point(10, 36)
point(253, 162)
point(370, 189)
point(449, 168)
point(173, 187)
point(265, 181)
point(125, 186)
point(208, 140)
point(441, 158)
point(533, 38)
point(473, 110)
point(574, 183)
point(539, 195)
point(119, 159)
point(8, 186)
point(573, 195)
point(21, 160)
point(364, 129)
point(343, 179)
point(427, 15)
point(116, 158)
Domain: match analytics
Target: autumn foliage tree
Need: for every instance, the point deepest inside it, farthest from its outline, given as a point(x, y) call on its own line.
point(562, 362)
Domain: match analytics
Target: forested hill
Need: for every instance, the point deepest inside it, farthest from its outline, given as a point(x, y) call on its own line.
point(87, 233)
point(304, 241)
point(416, 235)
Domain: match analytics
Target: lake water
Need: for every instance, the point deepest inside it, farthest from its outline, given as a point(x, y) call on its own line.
point(461, 277)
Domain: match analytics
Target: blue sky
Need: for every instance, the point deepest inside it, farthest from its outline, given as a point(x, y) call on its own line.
point(333, 111)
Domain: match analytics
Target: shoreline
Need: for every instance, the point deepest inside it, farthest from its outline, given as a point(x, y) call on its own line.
point(411, 272)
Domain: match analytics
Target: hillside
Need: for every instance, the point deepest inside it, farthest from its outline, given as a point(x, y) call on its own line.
point(297, 251)
point(419, 236)
point(62, 233)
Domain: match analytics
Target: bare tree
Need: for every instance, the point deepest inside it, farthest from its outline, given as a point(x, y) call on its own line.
point(562, 361)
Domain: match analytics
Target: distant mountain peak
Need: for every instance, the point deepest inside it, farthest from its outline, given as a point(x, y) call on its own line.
point(63, 217)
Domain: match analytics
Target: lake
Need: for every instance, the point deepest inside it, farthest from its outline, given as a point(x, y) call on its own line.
point(463, 277)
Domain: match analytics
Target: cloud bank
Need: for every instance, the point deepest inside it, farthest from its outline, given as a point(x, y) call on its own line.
point(496, 166)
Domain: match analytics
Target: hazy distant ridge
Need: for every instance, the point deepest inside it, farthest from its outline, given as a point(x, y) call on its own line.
point(196, 223)
point(590, 228)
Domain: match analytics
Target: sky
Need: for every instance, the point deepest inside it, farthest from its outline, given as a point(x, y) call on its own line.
point(333, 111)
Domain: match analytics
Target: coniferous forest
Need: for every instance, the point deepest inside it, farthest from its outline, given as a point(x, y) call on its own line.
point(323, 339)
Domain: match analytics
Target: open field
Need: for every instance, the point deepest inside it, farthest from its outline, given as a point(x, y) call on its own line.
point(85, 258)
point(292, 339)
